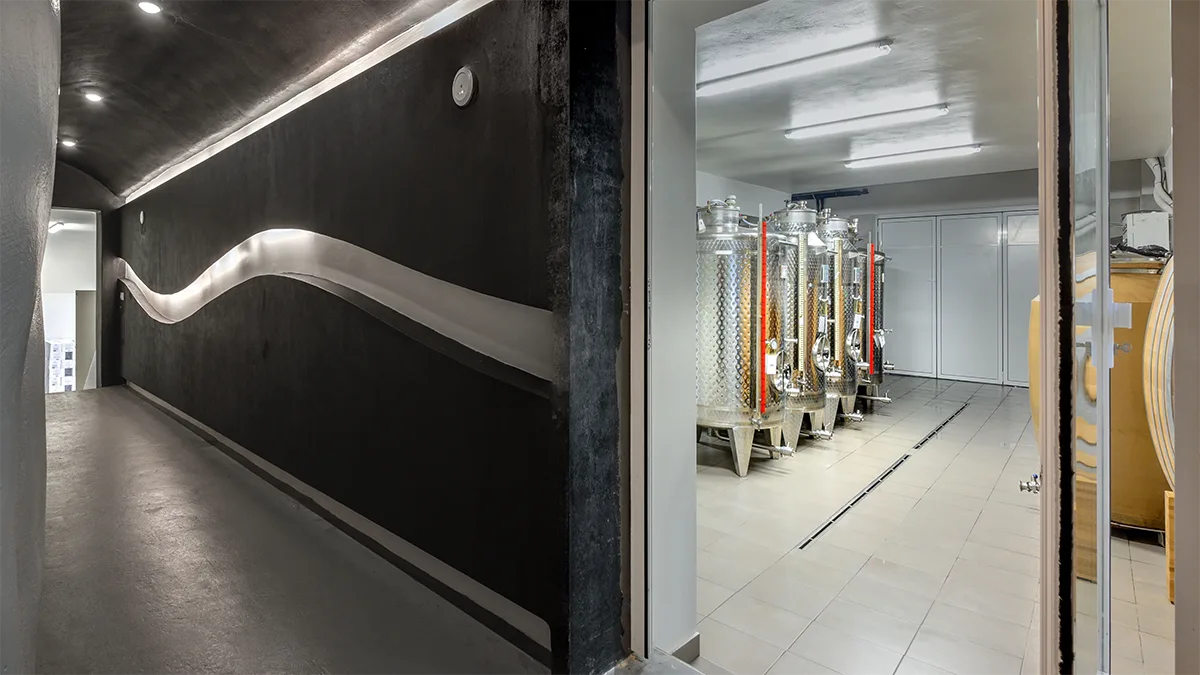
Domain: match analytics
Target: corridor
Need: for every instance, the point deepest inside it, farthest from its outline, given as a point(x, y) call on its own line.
point(165, 555)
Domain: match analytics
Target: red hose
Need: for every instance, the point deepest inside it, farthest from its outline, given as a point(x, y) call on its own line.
point(762, 318)
point(871, 309)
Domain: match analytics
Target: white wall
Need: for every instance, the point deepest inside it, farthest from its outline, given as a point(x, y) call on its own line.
point(749, 196)
point(985, 192)
point(69, 265)
point(671, 361)
point(1185, 61)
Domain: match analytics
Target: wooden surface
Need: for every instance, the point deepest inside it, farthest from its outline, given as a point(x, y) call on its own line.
point(1085, 527)
point(1169, 504)
point(1137, 477)
point(1156, 367)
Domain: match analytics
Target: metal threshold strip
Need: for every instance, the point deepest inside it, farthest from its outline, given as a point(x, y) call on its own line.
point(875, 482)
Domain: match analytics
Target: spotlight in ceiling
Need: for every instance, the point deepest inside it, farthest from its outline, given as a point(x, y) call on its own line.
point(918, 156)
point(865, 122)
point(94, 97)
point(149, 7)
point(55, 227)
point(67, 143)
point(808, 65)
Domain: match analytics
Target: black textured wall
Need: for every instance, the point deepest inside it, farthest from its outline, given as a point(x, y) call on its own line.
point(516, 196)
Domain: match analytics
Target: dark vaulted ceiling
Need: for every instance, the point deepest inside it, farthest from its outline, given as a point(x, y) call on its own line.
point(176, 81)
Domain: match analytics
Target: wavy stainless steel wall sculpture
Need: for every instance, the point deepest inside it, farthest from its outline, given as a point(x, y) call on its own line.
point(511, 333)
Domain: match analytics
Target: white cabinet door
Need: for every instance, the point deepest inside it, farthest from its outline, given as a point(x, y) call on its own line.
point(909, 308)
point(1021, 285)
point(969, 298)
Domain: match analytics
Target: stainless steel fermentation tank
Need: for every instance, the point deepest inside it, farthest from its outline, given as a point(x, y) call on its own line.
point(739, 330)
point(873, 340)
point(804, 298)
point(845, 313)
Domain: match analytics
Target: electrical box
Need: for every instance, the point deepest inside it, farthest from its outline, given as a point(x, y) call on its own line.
point(1145, 228)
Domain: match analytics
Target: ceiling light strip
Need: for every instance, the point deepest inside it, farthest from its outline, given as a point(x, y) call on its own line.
point(808, 65)
point(874, 121)
point(919, 156)
point(388, 49)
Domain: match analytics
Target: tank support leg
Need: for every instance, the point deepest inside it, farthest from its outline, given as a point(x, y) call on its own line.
point(776, 436)
point(741, 440)
point(792, 421)
point(831, 409)
point(699, 433)
point(848, 411)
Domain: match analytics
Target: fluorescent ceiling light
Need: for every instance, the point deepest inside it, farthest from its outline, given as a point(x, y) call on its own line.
point(93, 97)
point(919, 156)
point(800, 67)
point(868, 122)
point(149, 7)
point(55, 227)
point(66, 142)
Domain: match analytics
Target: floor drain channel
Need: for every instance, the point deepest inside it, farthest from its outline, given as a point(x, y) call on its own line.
point(939, 427)
point(875, 482)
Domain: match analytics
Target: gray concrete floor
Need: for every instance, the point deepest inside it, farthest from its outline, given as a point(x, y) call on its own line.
point(165, 556)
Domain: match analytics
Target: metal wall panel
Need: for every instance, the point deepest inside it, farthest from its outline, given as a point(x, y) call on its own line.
point(909, 301)
point(1020, 287)
point(969, 298)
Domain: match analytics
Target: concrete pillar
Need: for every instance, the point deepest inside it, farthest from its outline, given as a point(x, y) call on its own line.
point(29, 73)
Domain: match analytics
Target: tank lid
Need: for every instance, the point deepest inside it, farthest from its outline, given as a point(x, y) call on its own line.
point(832, 223)
point(795, 217)
point(720, 215)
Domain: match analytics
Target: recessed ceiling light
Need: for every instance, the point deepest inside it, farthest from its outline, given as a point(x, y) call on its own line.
point(93, 97)
point(874, 121)
point(786, 71)
point(55, 227)
point(149, 7)
point(66, 142)
point(918, 156)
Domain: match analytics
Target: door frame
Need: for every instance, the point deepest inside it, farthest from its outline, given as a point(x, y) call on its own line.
point(1055, 212)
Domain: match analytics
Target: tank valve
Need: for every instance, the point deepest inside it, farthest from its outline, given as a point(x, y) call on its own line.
point(1033, 485)
point(888, 365)
point(821, 434)
point(852, 416)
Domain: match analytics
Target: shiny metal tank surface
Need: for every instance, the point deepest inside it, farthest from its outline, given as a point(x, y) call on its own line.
point(804, 298)
point(875, 365)
point(739, 328)
point(846, 311)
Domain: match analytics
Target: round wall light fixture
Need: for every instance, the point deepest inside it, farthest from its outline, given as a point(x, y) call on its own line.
point(149, 7)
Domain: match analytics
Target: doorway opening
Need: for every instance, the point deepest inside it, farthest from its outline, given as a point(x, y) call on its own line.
point(70, 308)
point(842, 336)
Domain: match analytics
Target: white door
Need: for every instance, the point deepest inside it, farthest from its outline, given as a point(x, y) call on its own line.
point(969, 297)
point(908, 299)
point(1020, 287)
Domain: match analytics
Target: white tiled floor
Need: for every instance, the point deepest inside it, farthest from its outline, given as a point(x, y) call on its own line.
point(935, 571)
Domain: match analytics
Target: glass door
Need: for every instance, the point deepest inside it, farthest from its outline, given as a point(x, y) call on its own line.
point(1093, 353)
point(1076, 336)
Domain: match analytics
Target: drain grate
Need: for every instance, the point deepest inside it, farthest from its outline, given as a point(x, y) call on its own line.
point(939, 427)
point(875, 482)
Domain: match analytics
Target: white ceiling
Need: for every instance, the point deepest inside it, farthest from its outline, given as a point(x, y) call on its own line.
point(978, 56)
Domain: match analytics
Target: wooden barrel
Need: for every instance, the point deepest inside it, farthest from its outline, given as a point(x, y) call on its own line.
point(1157, 372)
point(1137, 479)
